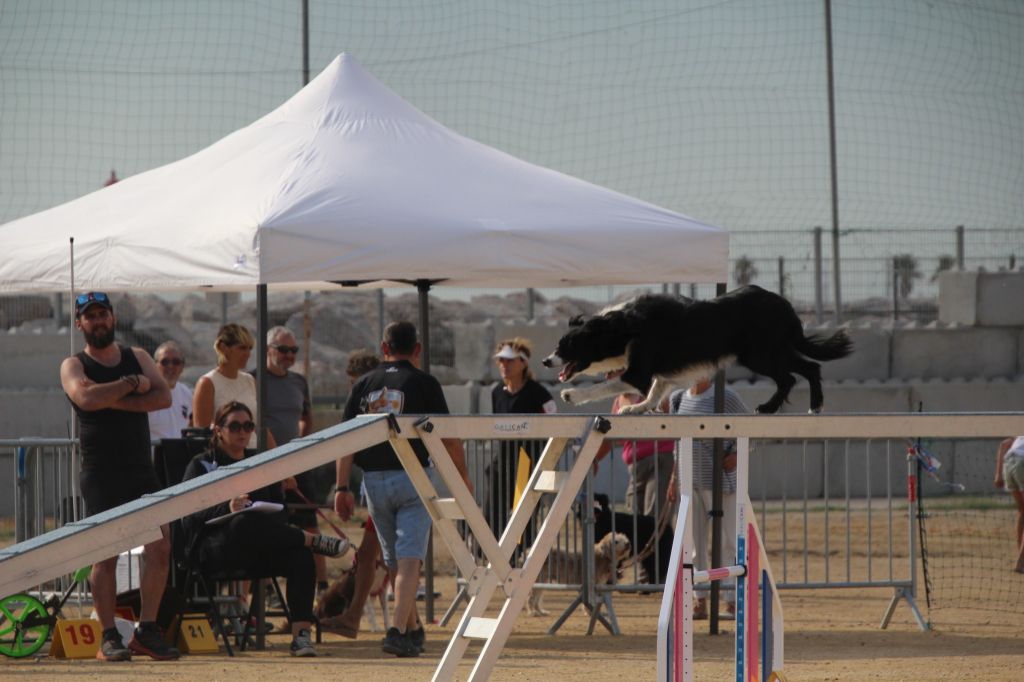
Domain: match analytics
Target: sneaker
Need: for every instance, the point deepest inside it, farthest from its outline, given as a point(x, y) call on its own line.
point(730, 611)
point(113, 649)
point(418, 637)
point(149, 640)
point(329, 546)
point(399, 645)
point(302, 645)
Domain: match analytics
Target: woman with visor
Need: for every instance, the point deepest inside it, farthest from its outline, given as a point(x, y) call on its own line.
point(518, 393)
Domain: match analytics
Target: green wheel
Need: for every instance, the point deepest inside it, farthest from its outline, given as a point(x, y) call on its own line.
point(24, 625)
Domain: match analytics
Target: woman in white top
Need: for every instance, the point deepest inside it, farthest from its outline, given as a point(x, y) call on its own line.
point(228, 381)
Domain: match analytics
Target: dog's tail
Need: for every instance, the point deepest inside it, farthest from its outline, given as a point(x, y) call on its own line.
point(831, 348)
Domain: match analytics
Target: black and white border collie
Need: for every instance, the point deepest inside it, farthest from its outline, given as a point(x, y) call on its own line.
point(661, 342)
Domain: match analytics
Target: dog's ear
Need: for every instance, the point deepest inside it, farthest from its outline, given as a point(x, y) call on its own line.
point(576, 321)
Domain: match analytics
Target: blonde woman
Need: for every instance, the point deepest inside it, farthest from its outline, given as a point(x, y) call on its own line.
point(228, 382)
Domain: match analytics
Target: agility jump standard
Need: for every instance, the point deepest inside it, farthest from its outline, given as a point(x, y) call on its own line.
point(759, 623)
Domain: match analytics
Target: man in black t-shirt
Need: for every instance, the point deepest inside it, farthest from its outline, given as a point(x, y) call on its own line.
point(112, 388)
point(397, 386)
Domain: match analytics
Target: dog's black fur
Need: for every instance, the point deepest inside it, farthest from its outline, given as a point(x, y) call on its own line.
point(664, 341)
point(656, 563)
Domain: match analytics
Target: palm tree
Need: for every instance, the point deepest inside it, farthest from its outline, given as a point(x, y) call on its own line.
point(744, 271)
point(946, 262)
point(905, 268)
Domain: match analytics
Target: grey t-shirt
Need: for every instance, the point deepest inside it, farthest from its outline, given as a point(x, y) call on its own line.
point(287, 399)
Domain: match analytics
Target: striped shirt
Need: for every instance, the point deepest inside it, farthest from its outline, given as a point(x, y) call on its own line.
point(683, 402)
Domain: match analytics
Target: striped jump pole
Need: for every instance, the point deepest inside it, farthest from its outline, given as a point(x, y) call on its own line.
point(759, 625)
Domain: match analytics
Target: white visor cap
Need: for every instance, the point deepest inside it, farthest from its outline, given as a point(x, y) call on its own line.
point(510, 353)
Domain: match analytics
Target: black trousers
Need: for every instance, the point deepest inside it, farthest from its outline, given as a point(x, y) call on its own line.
point(263, 544)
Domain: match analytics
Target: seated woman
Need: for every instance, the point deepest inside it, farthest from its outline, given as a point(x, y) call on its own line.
point(256, 542)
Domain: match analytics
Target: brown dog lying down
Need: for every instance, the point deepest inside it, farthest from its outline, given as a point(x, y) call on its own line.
point(335, 599)
point(566, 568)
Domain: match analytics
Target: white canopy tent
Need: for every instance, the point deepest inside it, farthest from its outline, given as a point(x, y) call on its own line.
point(347, 182)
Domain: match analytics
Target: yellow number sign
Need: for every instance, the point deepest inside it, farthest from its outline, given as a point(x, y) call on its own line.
point(196, 636)
point(77, 638)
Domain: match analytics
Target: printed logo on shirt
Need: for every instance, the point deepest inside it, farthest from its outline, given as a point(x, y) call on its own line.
point(384, 401)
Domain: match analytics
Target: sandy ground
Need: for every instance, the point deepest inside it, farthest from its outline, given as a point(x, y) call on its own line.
point(830, 635)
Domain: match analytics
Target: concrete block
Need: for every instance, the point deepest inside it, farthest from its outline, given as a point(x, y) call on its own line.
point(840, 397)
point(32, 360)
point(473, 344)
point(986, 299)
point(783, 468)
point(461, 398)
point(864, 468)
point(999, 299)
point(958, 297)
point(33, 412)
point(997, 395)
point(928, 352)
point(871, 357)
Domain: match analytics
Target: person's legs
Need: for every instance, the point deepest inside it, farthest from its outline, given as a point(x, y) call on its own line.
point(1018, 497)
point(154, 575)
point(700, 518)
point(655, 484)
point(319, 560)
point(407, 579)
point(103, 580)
point(729, 542)
point(366, 570)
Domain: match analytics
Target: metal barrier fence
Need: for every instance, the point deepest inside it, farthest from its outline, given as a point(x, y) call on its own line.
point(833, 514)
point(42, 491)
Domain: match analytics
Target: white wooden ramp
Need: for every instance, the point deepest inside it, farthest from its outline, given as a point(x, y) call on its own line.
point(116, 530)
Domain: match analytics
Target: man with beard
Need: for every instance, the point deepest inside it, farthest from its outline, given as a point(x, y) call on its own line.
point(112, 388)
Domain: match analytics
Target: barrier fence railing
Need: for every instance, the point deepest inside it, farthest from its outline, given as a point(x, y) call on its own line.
point(562, 469)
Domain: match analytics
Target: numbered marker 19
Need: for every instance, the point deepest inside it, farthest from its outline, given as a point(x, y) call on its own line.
point(77, 638)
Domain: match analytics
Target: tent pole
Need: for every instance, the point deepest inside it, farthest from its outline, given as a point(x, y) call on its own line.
point(423, 289)
point(261, 431)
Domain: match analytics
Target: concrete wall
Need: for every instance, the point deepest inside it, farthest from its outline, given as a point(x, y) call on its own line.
point(987, 299)
point(32, 360)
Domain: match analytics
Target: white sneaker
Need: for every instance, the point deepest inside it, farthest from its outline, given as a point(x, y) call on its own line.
point(302, 645)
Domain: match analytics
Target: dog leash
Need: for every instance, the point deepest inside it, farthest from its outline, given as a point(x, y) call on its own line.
point(648, 549)
point(320, 513)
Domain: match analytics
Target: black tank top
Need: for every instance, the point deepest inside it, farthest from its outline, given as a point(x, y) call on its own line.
point(113, 440)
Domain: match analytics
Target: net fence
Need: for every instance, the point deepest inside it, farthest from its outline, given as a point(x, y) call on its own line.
point(968, 534)
point(717, 109)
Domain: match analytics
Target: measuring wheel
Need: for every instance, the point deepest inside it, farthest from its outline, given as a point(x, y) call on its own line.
point(24, 625)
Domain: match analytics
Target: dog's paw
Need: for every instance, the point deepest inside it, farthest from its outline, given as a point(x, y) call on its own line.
point(639, 408)
point(569, 395)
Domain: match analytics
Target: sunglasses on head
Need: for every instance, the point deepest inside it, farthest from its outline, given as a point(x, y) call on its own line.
point(168, 362)
point(235, 427)
point(97, 296)
point(286, 349)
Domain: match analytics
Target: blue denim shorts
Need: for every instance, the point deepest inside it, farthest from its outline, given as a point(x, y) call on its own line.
point(402, 522)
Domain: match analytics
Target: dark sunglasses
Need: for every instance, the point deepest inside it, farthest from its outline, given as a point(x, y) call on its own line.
point(286, 349)
point(97, 296)
point(167, 362)
point(235, 427)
